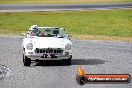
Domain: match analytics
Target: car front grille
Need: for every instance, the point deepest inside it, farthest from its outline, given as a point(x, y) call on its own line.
point(49, 51)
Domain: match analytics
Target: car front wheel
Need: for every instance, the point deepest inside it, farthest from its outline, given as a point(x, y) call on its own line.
point(26, 60)
point(69, 61)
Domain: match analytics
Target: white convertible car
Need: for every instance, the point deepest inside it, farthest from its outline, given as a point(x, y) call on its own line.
point(46, 43)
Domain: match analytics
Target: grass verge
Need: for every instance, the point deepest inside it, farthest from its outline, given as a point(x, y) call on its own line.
point(102, 37)
point(59, 1)
point(80, 24)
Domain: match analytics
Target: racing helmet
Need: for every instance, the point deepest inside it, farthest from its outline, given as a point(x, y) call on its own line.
point(34, 30)
point(34, 27)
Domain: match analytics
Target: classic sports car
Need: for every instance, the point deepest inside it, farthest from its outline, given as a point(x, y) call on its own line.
point(46, 43)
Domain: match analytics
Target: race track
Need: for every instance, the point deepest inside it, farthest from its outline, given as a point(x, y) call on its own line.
point(97, 57)
point(62, 7)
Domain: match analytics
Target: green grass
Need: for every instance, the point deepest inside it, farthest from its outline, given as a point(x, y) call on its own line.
point(102, 23)
point(59, 1)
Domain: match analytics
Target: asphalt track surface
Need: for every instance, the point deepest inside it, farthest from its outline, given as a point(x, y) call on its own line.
point(96, 57)
point(61, 7)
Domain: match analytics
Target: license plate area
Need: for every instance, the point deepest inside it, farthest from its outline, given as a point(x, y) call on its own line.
point(49, 56)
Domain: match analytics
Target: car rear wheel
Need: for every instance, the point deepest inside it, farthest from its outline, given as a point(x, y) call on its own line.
point(26, 60)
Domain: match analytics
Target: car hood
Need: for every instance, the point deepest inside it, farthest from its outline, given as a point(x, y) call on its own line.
point(47, 42)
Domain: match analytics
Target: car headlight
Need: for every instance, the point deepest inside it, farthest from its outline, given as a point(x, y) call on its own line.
point(29, 46)
point(68, 47)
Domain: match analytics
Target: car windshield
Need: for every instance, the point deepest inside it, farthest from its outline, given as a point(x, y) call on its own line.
point(51, 32)
point(35, 32)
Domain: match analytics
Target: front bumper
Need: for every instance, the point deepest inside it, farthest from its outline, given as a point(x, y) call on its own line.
point(48, 56)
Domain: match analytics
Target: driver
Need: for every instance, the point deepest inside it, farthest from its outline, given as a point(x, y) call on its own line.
point(34, 31)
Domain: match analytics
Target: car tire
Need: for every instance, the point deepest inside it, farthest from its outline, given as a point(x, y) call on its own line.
point(69, 61)
point(23, 57)
point(26, 60)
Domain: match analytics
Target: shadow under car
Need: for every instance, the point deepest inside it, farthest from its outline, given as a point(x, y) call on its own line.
point(74, 62)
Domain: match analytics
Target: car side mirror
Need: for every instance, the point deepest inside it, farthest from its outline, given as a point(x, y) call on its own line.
point(69, 36)
point(23, 34)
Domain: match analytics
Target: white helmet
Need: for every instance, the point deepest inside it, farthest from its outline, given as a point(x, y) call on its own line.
point(34, 27)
